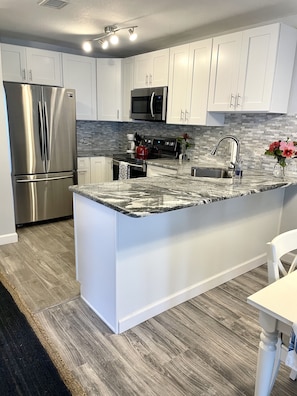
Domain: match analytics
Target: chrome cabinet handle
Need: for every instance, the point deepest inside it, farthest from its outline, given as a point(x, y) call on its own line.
point(146, 79)
point(238, 104)
point(182, 115)
point(151, 79)
point(30, 75)
point(187, 115)
point(24, 74)
point(232, 98)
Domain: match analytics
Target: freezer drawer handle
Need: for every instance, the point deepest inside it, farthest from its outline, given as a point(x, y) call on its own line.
point(39, 180)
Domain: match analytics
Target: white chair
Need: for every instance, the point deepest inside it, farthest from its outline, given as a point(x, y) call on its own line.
point(281, 260)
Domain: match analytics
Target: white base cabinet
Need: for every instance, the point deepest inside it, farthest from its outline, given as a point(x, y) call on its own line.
point(80, 73)
point(131, 269)
point(252, 70)
point(94, 170)
point(31, 65)
point(83, 170)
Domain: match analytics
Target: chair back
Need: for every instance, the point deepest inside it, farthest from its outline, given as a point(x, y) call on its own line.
point(276, 249)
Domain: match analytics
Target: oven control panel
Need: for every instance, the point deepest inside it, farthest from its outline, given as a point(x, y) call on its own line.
point(160, 147)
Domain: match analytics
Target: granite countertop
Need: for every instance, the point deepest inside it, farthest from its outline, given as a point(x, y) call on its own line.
point(145, 196)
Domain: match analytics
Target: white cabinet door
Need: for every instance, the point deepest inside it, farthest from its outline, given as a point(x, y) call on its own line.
point(94, 170)
point(83, 170)
point(252, 70)
point(109, 93)
point(14, 63)
point(44, 67)
point(97, 169)
point(108, 169)
point(266, 68)
point(80, 73)
point(189, 72)
point(127, 86)
point(31, 65)
point(224, 72)
point(198, 86)
point(101, 169)
point(177, 86)
point(151, 69)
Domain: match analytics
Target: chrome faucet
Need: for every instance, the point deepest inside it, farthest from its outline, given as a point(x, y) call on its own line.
point(237, 157)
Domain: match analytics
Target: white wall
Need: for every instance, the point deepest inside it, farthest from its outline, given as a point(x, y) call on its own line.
point(7, 223)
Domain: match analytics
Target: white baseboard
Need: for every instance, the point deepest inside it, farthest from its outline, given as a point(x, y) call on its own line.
point(152, 310)
point(8, 238)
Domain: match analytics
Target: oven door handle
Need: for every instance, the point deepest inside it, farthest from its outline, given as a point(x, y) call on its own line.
point(133, 165)
point(152, 104)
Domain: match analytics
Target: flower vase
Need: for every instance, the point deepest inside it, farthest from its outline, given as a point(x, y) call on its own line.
point(279, 171)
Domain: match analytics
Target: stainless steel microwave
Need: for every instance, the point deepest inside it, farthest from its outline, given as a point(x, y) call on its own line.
point(149, 104)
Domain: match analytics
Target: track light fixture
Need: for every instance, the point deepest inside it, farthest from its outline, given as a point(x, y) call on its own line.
point(109, 32)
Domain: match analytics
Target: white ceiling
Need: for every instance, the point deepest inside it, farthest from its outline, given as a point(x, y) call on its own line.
point(161, 23)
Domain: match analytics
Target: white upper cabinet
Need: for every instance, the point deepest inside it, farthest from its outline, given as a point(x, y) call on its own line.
point(31, 65)
point(127, 86)
point(79, 72)
point(252, 70)
point(109, 92)
point(189, 71)
point(151, 69)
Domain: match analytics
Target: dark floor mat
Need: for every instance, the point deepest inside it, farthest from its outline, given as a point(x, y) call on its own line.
point(25, 367)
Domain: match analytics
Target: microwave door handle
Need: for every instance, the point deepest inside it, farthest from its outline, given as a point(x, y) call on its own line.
point(151, 104)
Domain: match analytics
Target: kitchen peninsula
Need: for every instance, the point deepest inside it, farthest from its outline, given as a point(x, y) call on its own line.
point(145, 245)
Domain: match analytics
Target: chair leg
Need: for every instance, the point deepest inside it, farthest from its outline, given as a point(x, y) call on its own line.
point(293, 375)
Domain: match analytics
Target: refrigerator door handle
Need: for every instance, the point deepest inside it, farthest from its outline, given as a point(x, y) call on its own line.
point(41, 131)
point(44, 179)
point(47, 135)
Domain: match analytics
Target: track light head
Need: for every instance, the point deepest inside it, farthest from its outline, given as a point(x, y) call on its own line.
point(104, 44)
point(114, 40)
point(87, 46)
point(132, 34)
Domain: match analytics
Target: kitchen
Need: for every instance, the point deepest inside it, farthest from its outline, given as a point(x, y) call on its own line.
point(112, 135)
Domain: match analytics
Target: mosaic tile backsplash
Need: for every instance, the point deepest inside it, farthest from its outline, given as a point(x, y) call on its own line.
point(255, 132)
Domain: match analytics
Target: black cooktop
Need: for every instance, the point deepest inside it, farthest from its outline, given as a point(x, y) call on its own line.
point(157, 148)
point(127, 157)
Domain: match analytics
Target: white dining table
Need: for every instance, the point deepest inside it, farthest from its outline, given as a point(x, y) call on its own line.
point(277, 305)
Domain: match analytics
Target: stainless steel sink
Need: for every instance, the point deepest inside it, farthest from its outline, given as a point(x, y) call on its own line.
point(202, 171)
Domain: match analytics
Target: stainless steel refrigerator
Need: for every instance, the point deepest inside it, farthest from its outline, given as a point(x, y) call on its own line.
point(42, 132)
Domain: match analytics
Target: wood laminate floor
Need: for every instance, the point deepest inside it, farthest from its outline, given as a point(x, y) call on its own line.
point(206, 346)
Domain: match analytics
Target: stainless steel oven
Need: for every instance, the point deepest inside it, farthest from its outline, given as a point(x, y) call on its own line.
point(128, 168)
point(149, 104)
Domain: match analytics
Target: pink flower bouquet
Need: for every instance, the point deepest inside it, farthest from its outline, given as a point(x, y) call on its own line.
point(281, 150)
